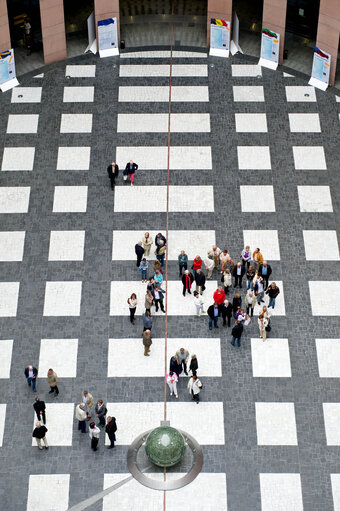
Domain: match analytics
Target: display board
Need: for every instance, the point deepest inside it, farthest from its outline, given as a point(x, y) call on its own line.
point(234, 45)
point(270, 49)
point(7, 70)
point(108, 37)
point(91, 32)
point(219, 37)
point(321, 69)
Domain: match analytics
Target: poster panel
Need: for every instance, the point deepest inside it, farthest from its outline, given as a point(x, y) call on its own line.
point(91, 31)
point(234, 45)
point(270, 49)
point(7, 70)
point(108, 37)
point(219, 37)
point(321, 65)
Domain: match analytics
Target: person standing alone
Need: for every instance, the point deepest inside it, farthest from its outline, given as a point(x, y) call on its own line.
point(52, 380)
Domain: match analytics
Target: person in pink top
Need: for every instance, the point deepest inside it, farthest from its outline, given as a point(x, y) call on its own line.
point(172, 380)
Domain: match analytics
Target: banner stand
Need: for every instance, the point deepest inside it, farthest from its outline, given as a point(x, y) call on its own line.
point(9, 85)
point(268, 63)
point(318, 84)
point(8, 78)
point(235, 48)
point(270, 49)
point(108, 38)
point(219, 38)
point(234, 45)
point(320, 70)
point(91, 31)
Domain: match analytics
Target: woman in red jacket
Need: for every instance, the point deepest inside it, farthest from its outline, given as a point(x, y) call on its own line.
point(196, 265)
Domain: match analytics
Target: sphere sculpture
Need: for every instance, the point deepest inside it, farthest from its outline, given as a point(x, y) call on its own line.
point(165, 446)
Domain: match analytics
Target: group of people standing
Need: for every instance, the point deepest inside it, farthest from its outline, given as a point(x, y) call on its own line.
point(179, 362)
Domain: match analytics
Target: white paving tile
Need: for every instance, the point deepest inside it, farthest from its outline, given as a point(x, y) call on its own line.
point(249, 93)
point(181, 198)
point(321, 245)
point(325, 297)
point(279, 309)
point(270, 359)
point(178, 305)
point(26, 95)
point(309, 158)
point(22, 123)
point(9, 294)
point(78, 71)
point(163, 70)
point(153, 366)
point(78, 94)
point(14, 199)
point(281, 492)
point(66, 246)
point(6, 347)
point(205, 422)
point(255, 199)
point(133, 495)
point(62, 298)
point(12, 245)
point(266, 240)
point(246, 70)
point(328, 353)
point(300, 93)
point(76, 123)
point(73, 158)
point(48, 492)
point(70, 199)
point(254, 157)
point(251, 123)
point(193, 242)
point(315, 199)
point(152, 54)
point(304, 123)
point(2, 422)
point(60, 355)
point(275, 424)
point(161, 93)
point(335, 480)
point(59, 422)
point(158, 123)
point(156, 157)
point(331, 413)
point(18, 158)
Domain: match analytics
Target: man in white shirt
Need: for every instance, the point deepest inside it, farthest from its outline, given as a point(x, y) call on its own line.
point(94, 433)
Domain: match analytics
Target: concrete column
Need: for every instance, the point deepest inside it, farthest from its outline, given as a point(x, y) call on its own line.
point(220, 9)
point(104, 9)
point(5, 38)
point(53, 30)
point(274, 18)
point(327, 38)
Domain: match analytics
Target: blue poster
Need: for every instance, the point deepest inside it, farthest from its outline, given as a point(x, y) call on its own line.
point(7, 66)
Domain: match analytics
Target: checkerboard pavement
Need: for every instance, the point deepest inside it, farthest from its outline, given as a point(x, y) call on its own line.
point(269, 417)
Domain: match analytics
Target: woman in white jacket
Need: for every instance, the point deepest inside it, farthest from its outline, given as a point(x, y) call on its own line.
point(172, 380)
point(226, 279)
point(194, 387)
point(198, 304)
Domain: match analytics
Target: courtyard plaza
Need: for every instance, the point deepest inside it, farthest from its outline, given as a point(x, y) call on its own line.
point(254, 160)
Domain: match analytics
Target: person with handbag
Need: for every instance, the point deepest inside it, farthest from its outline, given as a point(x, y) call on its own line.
point(195, 387)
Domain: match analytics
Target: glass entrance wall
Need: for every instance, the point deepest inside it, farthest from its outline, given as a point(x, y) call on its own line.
point(76, 14)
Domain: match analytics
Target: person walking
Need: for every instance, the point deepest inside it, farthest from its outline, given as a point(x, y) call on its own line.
point(227, 312)
point(52, 380)
point(147, 341)
point(132, 303)
point(31, 374)
point(257, 259)
point(265, 271)
point(40, 409)
point(147, 321)
point(158, 294)
point(238, 273)
point(213, 315)
point(187, 281)
point(236, 333)
point(194, 387)
point(147, 241)
point(182, 262)
point(263, 323)
point(110, 430)
point(172, 380)
point(143, 270)
point(198, 302)
point(200, 281)
point(148, 300)
point(273, 291)
point(182, 356)
point(246, 257)
point(259, 289)
point(209, 266)
point(214, 254)
point(88, 401)
point(113, 171)
point(175, 366)
point(39, 433)
point(196, 265)
point(100, 411)
point(130, 170)
point(193, 365)
point(250, 302)
point(139, 251)
point(81, 416)
point(94, 433)
point(160, 252)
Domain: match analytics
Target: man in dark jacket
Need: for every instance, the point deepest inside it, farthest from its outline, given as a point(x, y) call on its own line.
point(100, 411)
point(238, 273)
point(113, 171)
point(200, 281)
point(213, 312)
point(130, 169)
point(237, 333)
point(265, 271)
point(227, 312)
point(39, 408)
point(187, 281)
point(158, 294)
point(139, 252)
point(110, 429)
point(39, 433)
point(159, 237)
point(31, 374)
point(147, 321)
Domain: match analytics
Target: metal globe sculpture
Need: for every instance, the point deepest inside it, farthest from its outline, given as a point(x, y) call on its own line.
point(165, 446)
